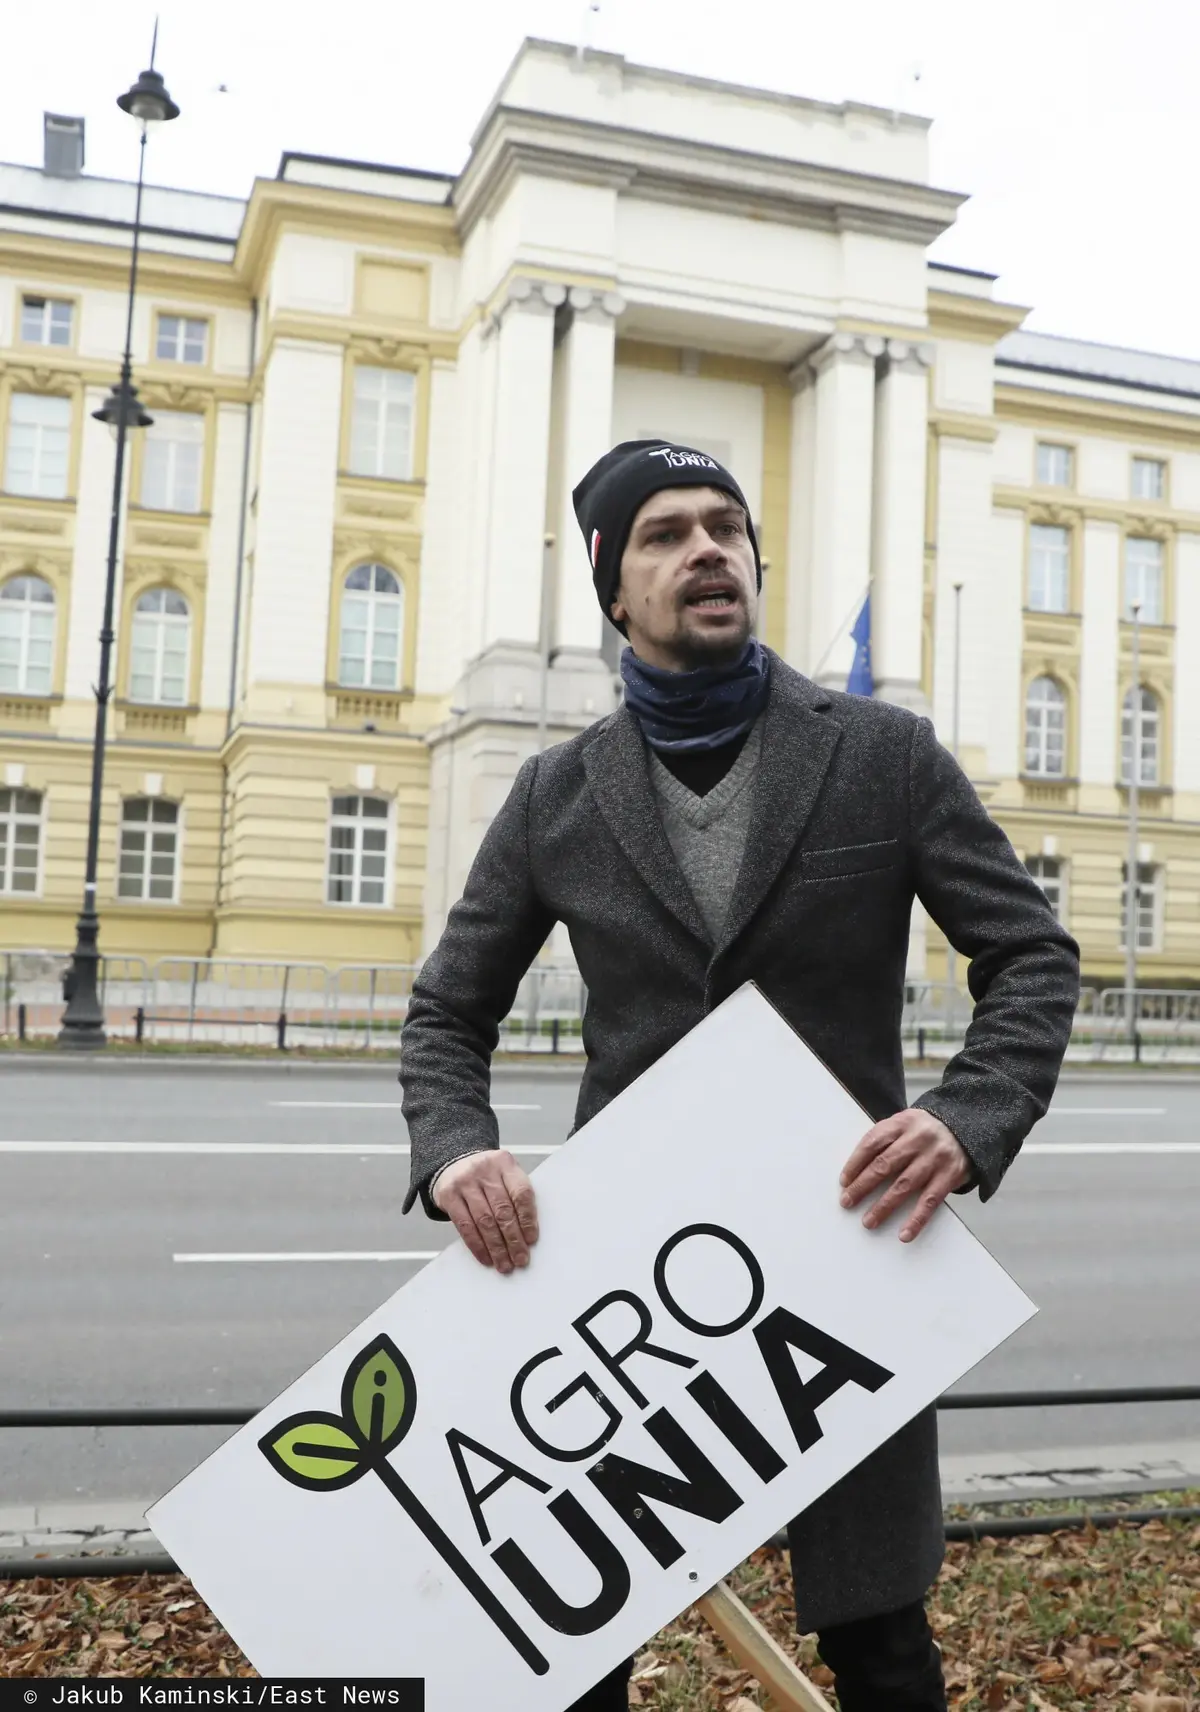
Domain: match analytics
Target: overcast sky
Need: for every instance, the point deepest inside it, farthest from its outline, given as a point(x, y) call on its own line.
point(1073, 124)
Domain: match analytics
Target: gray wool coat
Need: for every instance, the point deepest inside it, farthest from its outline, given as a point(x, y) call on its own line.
point(858, 809)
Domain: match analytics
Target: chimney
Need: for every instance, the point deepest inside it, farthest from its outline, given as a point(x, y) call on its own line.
point(63, 140)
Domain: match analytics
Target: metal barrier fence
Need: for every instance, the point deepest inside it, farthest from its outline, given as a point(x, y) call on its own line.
point(361, 1007)
point(147, 1563)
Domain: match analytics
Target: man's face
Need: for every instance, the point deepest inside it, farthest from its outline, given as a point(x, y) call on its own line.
point(688, 591)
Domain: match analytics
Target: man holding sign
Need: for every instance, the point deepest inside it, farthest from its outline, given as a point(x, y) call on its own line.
point(734, 822)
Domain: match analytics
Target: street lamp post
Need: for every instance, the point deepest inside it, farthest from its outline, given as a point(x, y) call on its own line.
point(1132, 894)
point(83, 1019)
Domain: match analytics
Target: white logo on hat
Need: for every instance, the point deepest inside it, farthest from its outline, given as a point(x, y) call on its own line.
point(595, 547)
point(678, 459)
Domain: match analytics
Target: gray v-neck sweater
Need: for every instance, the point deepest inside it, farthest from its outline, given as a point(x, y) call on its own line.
point(708, 833)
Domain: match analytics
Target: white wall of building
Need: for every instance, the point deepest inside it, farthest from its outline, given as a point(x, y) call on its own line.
point(93, 509)
point(722, 417)
point(294, 537)
point(228, 461)
point(1098, 664)
point(312, 274)
point(1187, 666)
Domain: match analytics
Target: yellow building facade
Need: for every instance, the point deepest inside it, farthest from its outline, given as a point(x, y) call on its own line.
point(347, 533)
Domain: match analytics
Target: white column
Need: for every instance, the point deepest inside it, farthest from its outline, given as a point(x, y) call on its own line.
point(520, 438)
point(1187, 664)
point(797, 640)
point(588, 356)
point(841, 512)
point(898, 524)
point(93, 509)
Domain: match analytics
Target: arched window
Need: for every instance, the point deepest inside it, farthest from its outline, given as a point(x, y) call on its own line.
point(1046, 729)
point(158, 648)
point(1150, 746)
point(26, 636)
point(372, 629)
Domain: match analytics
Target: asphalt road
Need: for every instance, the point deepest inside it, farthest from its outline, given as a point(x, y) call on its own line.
point(118, 1286)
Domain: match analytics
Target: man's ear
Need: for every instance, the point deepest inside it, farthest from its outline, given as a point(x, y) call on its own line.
point(617, 612)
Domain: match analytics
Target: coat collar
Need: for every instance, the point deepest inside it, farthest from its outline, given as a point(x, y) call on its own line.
point(799, 738)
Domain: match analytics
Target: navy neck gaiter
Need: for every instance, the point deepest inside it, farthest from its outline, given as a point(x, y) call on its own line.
point(682, 711)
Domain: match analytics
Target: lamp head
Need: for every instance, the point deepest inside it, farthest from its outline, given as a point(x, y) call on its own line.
point(122, 403)
point(148, 100)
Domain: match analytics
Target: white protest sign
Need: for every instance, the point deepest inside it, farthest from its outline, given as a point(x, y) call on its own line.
point(506, 1485)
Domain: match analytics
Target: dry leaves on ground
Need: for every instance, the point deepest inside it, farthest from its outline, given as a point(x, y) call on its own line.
point(1071, 1622)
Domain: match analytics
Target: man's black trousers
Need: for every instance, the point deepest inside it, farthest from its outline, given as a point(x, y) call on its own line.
point(880, 1664)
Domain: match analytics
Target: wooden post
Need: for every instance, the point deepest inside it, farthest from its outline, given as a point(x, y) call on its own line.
point(757, 1652)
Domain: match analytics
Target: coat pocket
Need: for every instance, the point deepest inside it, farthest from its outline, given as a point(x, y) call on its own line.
point(844, 861)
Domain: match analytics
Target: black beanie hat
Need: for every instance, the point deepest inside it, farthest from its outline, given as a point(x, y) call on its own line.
point(611, 494)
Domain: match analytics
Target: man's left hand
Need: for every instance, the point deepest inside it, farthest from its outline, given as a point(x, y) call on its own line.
point(915, 1155)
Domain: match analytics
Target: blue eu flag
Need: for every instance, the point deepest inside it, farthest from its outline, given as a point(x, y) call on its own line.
point(860, 681)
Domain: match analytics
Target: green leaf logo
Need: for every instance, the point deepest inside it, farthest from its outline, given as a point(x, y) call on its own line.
point(379, 1395)
point(315, 1451)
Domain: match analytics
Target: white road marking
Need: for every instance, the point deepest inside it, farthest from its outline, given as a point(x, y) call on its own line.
point(365, 1105)
point(359, 1149)
point(1062, 1147)
point(344, 1254)
point(1106, 1112)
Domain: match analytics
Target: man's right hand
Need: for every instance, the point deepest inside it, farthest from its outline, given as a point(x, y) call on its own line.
point(492, 1204)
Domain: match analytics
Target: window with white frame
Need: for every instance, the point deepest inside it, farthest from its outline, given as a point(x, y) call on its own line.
point(372, 629)
point(148, 869)
point(1053, 465)
point(1046, 729)
point(46, 321)
point(1149, 906)
point(180, 339)
point(158, 647)
point(1048, 872)
point(39, 445)
point(20, 840)
point(173, 461)
point(1149, 478)
point(1049, 568)
point(359, 843)
point(381, 424)
point(1144, 577)
point(26, 636)
point(1150, 735)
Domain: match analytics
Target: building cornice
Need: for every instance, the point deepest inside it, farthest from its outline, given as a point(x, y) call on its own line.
point(979, 319)
point(84, 262)
point(681, 171)
point(278, 205)
point(1072, 412)
point(1135, 517)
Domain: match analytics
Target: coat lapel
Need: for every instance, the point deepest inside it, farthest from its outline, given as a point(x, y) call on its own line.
point(799, 738)
point(619, 773)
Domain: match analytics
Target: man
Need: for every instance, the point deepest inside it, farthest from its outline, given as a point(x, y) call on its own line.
point(733, 822)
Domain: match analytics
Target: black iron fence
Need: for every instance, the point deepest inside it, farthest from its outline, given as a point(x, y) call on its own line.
point(158, 1563)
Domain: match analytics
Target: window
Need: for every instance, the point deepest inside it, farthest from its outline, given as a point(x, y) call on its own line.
point(149, 850)
point(1149, 478)
point(26, 636)
point(1151, 724)
point(20, 840)
point(39, 444)
point(358, 851)
point(381, 425)
point(1144, 577)
point(1049, 568)
point(172, 461)
point(372, 628)
point(45, 321)
point(1048, 872)
point(1149, 905)
point(1053, 466)
point(181, 340)
point(1046, 729)
point(158, 651)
